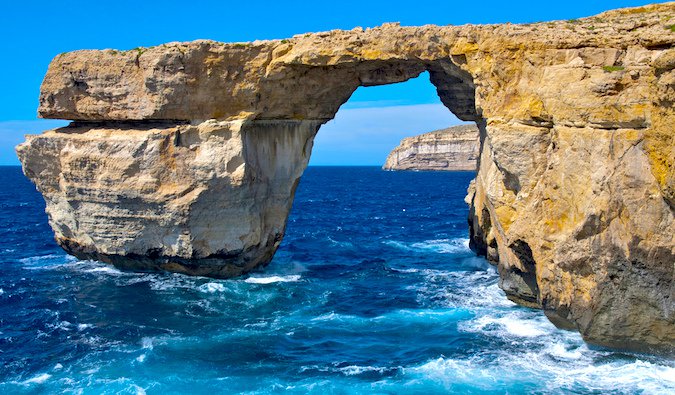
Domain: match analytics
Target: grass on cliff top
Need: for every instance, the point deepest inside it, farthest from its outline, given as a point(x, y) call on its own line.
point(671, 28)
point(610, 69)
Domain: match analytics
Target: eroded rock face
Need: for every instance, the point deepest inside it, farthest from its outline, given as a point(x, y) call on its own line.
point(453, 148)
point(574, 198)
point(207, 199)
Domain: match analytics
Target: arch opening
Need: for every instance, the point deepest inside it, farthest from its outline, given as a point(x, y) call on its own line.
point(376, 118)
point(365, 226)
point(372, 123)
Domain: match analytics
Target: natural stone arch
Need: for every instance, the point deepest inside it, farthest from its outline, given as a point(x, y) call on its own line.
point(184, 157)
point(279, 96)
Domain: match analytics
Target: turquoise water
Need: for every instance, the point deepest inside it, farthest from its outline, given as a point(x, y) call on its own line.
point(373, 290)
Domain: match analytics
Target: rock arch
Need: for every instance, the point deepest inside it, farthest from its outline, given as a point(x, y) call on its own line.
point(185, 156)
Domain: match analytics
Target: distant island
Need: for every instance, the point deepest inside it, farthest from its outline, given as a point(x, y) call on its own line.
point(453, 148)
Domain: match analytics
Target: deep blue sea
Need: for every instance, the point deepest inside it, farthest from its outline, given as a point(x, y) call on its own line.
point(373, 291)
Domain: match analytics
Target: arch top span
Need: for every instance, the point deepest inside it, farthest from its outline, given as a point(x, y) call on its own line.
point(305, 77)
point(480, 71)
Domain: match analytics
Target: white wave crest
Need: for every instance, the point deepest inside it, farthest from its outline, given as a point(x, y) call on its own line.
point(273, 279)
point(439, 246)
point(511, 324)
point(462, 289)
point(551, 376)
point(166, 282)
point(148, 343)
point(40, 259)
point(354, 370)
point(47, 262)
point(211, 287)
point(405, 270)
point(444, 246)
point(332, 316)
point(102, 269)
point(39, 379)
point(340, 243)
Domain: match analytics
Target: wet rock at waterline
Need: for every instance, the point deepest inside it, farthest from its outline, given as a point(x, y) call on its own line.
point(450, 149)
point(574, 198)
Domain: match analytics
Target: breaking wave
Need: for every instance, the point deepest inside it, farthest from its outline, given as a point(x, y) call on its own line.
point(273, 279)
point(438, 246)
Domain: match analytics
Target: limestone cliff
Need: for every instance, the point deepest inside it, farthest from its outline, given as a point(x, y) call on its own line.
point(185, 156)
point(208, 199)
point(454, 148)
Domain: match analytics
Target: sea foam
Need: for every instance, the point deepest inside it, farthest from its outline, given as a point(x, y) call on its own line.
point(273, 279)
point(39, 379)
point(439, 246)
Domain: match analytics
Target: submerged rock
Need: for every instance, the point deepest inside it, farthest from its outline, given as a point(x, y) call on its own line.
point(185, 156)
point(453, 148)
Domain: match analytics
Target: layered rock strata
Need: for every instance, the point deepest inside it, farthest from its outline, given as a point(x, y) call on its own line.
point(185, 156)
point(453, 148)
point(207, 199)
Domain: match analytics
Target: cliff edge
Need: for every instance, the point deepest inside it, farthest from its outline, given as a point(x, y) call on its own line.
point(453, 148)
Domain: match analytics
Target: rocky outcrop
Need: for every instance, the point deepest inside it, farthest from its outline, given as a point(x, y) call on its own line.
point(453, 148)
point(185, 156)
point(209, 199)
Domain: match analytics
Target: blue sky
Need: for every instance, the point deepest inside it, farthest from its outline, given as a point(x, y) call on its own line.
point(35, 31)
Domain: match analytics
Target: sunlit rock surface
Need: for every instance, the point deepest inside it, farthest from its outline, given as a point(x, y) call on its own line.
point(453, 148)
point(185, 156)
point(207, 199)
